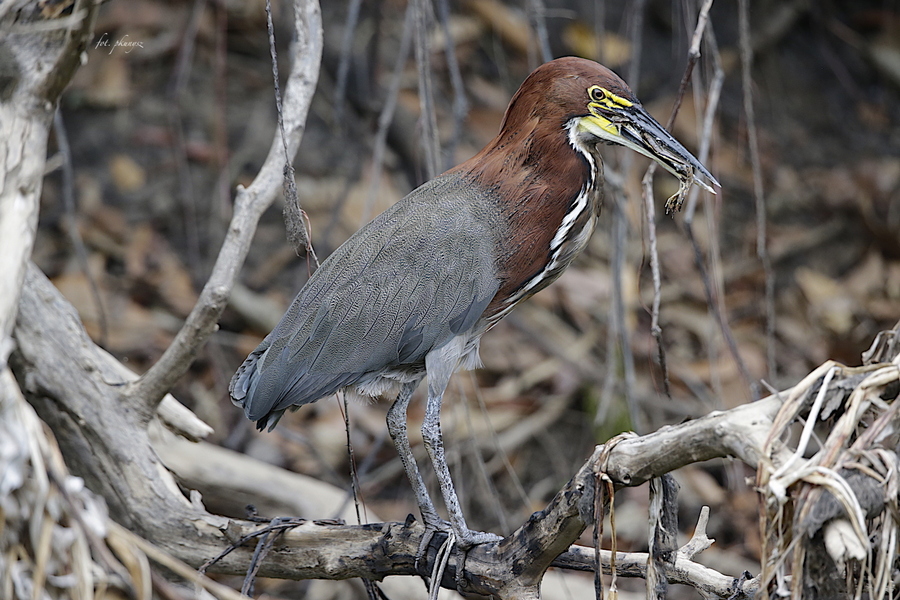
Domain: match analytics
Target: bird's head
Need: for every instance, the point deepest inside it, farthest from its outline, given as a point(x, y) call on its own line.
point(591, 104)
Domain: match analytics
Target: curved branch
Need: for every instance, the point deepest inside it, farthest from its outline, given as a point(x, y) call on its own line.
point(250, 203)
point(740, 433)
point(68, 381)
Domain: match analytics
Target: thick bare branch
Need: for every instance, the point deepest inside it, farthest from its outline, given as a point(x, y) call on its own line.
point(74, 388)
point(39, 57)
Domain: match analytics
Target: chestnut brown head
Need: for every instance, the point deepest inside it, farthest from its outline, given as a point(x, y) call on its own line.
point(594, 105)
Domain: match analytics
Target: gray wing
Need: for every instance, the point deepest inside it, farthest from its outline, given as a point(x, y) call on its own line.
point(419, 274)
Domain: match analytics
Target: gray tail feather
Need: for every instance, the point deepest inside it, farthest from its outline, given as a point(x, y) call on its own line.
point(241, 386)
point(269, 420)
point(265, 396)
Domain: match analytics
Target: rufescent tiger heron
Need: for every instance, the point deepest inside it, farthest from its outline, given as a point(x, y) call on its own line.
point(411, 293)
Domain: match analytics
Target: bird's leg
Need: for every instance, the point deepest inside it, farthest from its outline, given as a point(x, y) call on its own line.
point(396, 423)
point(439, 365)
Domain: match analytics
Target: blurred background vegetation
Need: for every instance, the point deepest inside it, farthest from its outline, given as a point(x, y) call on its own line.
point(163, 130)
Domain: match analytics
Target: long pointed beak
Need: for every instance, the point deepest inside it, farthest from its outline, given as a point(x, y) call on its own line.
point(634, 128)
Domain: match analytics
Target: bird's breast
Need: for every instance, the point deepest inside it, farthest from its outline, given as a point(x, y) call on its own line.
point(547, 193)
point(543, 251)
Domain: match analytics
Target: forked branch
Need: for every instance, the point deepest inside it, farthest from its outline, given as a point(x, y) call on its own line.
point(72, 385)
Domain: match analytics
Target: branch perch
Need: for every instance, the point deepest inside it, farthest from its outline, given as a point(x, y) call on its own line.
point(102, 415)
point(67, 382)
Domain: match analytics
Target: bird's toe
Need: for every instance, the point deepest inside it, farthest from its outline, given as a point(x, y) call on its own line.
point(433, 525)
point(468, 539)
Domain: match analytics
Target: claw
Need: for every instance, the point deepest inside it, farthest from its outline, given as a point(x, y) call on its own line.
point(433, 525)
point(464, 540)
point(467, 539)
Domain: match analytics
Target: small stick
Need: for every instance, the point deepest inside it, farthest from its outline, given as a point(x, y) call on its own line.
point(761, 251)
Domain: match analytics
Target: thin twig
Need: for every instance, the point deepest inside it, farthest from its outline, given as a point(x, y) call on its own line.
point(712, 104)
point(538, 13)
point(610, 492)
point(714, 296)
point(635, 36)
point(619, 352)
point(387, 113)
point(295, 219)
point(440, 565)
point(649, 207)
point(428, 118)
point(759, 198)
point(711, 210)
point(178, 82)
point(498, 447)
point(222, 192)
point(340, 86)
point(146, 392)
point(460, 103)
point(712, 301)
point(693, 57)
point(655, 328)
point(263, 545)
point(278, 524)
point(620, 233)
point(600, 28)
point(597, 534)
point(354, 475)
point(477, 457)
point(68, 193)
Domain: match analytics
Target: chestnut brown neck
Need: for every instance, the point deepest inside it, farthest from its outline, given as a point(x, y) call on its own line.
point(535, 175)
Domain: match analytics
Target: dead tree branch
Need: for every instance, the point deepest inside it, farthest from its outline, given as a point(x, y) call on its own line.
point(102, 415)
point(250, 203)
point(39, 56)
point(74, 388)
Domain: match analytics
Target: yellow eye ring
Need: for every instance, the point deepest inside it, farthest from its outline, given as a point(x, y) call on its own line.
point(607, 99)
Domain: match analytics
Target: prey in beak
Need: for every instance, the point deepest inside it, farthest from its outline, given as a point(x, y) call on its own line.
point(618, 120)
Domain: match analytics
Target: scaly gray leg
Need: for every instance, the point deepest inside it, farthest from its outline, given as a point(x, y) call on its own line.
point(439, 365)
point(396, 423)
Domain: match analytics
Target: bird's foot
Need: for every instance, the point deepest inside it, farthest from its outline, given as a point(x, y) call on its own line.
point(467, 539)
point(460, 540)
point(433, 525)
point(464, 538)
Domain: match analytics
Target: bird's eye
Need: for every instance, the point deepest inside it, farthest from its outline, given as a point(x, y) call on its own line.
point(597, 94)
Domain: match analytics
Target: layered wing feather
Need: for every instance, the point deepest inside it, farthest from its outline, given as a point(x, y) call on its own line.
point(418, 275)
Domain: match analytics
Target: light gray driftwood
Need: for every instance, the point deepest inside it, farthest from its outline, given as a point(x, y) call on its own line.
point(146, 392)
point(74, 387)
point(38, 57)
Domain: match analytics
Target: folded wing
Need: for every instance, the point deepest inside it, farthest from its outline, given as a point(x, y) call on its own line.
point(418, 275)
